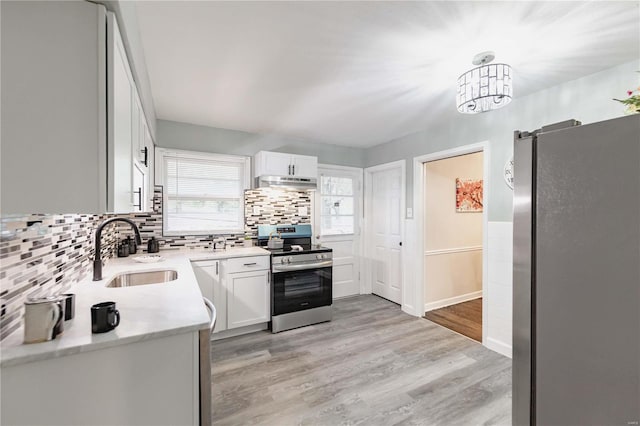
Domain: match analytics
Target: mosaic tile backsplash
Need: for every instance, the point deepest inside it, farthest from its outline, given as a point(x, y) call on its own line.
point(275, 206)
point(46, 254)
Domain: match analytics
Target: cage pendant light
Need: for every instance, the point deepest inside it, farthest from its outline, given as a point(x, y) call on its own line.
point(486, 87)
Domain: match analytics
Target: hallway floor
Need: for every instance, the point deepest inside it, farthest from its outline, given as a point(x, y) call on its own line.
point(371, 365)
point(464, 318)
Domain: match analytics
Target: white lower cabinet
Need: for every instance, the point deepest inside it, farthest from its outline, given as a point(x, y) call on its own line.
point(208, 275)
point(150, 382)
point(238, 287)
point(247, 298)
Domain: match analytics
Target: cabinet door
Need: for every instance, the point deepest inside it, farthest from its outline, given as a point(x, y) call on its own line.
point(208, 276)
point(273, 164)
point(139, 188)
point(304, 166)
point(148, 144)
point(53, 108)
point(248, 298)
point(120, 139)
point(137, 118)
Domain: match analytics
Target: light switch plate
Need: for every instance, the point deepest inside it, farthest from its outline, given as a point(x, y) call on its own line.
point(302, 212)
point(409, 212)
point(256, 210)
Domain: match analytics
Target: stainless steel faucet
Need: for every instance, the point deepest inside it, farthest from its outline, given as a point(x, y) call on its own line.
point(222, 241)
point(97, 261)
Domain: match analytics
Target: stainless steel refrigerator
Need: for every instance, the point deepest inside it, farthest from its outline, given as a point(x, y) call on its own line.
point(576, 274)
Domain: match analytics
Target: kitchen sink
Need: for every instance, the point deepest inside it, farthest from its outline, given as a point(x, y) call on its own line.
point(143, 278)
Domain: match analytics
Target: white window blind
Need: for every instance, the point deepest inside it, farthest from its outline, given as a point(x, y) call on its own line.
point(203, 193)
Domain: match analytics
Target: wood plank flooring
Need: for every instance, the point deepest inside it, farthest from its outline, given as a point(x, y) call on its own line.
point(371, 365)
point(464, 318)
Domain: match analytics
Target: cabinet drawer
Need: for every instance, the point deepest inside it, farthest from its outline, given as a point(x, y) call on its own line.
point(244, 264)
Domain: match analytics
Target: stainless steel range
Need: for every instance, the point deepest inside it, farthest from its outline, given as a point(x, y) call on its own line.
point(301, 277)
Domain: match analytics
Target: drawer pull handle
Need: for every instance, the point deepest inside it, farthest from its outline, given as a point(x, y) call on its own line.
point(250, 264)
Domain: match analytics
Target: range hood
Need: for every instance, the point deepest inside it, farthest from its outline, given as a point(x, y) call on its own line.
point(286, 182)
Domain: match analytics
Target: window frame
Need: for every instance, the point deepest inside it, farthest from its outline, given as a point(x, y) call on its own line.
point(244, 161)
point(354, 196)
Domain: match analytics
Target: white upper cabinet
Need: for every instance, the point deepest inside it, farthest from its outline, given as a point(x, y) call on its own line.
point(304, 166)
point(141, 156)
point(269, 163)
point(53, 114)
point(123, 124)
point(71, 117)
point(130, 185)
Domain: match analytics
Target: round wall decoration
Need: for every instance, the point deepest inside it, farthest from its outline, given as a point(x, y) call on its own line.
point(508, 172)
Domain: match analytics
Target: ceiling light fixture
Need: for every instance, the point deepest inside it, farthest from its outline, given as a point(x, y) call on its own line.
point(486, 87)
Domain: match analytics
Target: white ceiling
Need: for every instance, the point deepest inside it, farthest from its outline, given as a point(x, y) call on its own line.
point(362, 73)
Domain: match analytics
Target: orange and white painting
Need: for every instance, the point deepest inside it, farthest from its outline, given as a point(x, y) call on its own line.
point(468, 195)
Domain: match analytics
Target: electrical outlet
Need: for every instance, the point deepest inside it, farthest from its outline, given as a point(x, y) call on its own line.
point(302, 212)
point(256, 210)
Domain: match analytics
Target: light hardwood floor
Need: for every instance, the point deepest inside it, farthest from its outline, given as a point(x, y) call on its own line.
point(371, 365)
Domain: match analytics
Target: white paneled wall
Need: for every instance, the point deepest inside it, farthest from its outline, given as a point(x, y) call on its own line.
point(452, 276)
point(500, 277)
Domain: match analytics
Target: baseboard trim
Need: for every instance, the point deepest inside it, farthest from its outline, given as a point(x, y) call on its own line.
point(452, 301)
point(240, 331)
point(498, 346)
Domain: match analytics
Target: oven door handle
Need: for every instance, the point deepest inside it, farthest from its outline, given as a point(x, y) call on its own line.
point(302, 266)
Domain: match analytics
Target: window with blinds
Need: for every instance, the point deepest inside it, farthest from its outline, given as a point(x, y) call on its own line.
point(203, 193)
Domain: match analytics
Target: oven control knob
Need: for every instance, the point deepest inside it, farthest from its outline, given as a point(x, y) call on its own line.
point(319, 256)
point(289, 259)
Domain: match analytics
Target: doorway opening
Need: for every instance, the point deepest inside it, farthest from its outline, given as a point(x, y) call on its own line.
point(453, 223)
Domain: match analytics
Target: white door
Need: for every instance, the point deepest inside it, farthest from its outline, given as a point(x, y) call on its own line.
point(384, 218)
point(338, 208)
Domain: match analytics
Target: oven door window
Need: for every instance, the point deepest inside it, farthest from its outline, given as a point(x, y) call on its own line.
point(300, 290)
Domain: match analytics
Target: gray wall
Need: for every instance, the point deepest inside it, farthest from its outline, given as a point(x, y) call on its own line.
point(172, 134)
point(587, 99)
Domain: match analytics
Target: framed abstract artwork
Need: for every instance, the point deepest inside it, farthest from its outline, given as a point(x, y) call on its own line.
point(468, 195)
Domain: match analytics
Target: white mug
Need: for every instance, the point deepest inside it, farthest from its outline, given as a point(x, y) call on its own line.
point(43, 319)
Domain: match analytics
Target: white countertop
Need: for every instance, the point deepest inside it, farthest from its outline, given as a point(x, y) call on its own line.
point(146, 311)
